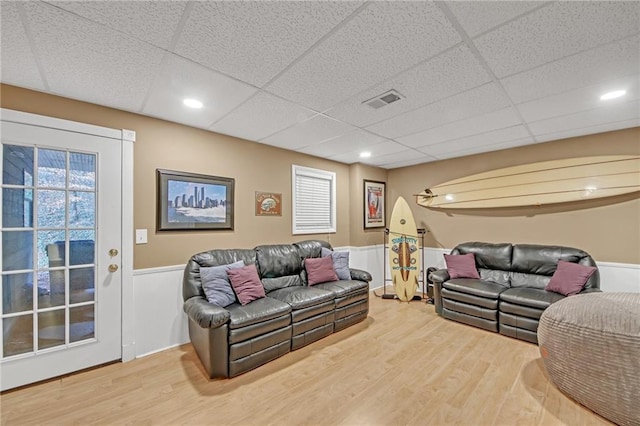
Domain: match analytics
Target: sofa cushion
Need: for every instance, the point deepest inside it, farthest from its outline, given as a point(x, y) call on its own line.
point(340, 262)
point(488, 255)
point(343, 287)
point(320, 270)
point(533, 297)
point(216, 285)
point(461, 265)
point(301, 297)
point(569, 278)
point(475, 287)
point(278, 260)
point(257, 311)
point(246, 284)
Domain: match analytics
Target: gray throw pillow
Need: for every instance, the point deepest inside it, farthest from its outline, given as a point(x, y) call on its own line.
point(340, 262)
point(216, 284)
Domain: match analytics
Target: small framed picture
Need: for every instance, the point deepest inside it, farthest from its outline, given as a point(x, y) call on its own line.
point(374, 204)
point(268, 204)
point(189, 201)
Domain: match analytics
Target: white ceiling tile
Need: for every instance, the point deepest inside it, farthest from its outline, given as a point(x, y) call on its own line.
point(381, 41)
point(585, 119)
point(353, 141)
point(488, 148)
point(604, 63)
point(445, 75)
point(89, 62)
point(180, 79)
point(479, 16)
point(17, 66)
point(555, 31)
point(152, 21)
point(377, 151)
point(486, 98)
point(310, 132)
point(500, 119)
point(254, 40)
point(261, 116)
point(582, 99)
point(418, 159)
point(406, 155)
point(476, 141)
point(600, 128)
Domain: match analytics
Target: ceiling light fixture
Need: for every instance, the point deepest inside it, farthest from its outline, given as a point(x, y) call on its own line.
point(365, 154)
point(192, 103)
point(613, 95)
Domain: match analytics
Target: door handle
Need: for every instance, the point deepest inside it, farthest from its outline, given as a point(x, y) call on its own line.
point(113, 267)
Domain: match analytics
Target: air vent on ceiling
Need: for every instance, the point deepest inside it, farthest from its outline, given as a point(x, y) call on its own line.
point(383, 100)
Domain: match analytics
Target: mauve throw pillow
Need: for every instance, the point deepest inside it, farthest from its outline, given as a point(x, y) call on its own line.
point(320, 270)
point(461, 265)
point(246, 283)
point(569, 278)
point(340, 262)
point(216, 285)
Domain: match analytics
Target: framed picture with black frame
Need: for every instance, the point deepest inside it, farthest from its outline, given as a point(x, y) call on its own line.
point(374, 204)
point(190, 201)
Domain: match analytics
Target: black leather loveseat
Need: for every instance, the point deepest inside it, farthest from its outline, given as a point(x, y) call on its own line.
point(510, 295)
point(232, 340)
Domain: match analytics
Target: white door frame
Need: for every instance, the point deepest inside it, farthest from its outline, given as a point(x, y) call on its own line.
point(127, 138)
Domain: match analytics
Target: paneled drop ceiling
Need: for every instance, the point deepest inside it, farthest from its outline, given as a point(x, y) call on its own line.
point(473, 76)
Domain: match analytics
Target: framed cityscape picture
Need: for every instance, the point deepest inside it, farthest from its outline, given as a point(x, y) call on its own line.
point(374, 202)
point(190, 201)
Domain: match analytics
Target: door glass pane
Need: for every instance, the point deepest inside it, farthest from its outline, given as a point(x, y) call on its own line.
point(18, 335)
point(82, 206)
point(17, 208)
point(50, 329)
point(17, 250)
point(50, 249)
point(17, 293)
point(17, 165)
point(82, 173)
point(81, 323)
point(52, 168)
point(51, 208)
point(81, 252)
point(81, 285)
point(51, 288)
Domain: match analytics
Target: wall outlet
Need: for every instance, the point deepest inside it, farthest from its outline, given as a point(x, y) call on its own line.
point(141, 236)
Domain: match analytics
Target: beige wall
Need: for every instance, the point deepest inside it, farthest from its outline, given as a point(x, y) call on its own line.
point(166, 145)
point(609, 229)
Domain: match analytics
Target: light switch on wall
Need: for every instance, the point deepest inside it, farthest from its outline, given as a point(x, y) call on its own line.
point(141, 236)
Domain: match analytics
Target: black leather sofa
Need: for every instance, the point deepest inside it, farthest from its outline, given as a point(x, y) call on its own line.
point(509, 297)
point(230, 341)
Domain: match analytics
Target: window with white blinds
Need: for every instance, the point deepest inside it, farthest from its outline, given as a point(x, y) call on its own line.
point(314, 200)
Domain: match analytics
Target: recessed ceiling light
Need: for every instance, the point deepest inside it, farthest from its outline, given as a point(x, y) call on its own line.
point(613, 95)
point(192, 103)
point(365, 154)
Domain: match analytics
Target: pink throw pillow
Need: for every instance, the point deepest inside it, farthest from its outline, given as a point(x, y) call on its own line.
point(569, 278)
point(320, 270)
point(246, 283)
point(461, 265)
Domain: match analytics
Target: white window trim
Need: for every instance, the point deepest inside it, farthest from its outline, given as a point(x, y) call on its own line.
point(314, 173)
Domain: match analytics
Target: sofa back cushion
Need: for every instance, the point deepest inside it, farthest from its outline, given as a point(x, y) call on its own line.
point(534, 265)
point(279, 266)
point(192, 282)
point(492, 260)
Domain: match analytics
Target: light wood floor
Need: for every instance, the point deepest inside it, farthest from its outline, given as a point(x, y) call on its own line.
point(403, 365)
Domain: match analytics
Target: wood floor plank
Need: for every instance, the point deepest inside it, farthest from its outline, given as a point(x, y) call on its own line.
point(402, 365)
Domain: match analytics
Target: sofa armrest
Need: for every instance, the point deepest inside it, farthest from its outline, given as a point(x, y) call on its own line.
point(205, 314)
point(360, 275)
point(439, 276)
point(590, 290)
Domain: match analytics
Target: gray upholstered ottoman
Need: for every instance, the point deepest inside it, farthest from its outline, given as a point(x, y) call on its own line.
point(590, 345)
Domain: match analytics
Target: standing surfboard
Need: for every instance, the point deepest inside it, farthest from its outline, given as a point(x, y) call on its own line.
point(535, 184)
point(404, 256)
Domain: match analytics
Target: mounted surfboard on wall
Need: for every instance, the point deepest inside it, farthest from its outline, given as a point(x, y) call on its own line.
point(535, 184)
point(404, 255)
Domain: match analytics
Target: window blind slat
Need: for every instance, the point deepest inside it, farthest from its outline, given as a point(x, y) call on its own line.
point(314, 200)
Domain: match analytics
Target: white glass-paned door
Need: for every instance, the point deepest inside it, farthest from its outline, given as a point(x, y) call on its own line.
point(61, 230)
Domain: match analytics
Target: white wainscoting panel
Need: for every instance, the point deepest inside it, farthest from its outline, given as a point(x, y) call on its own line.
point(160, 323)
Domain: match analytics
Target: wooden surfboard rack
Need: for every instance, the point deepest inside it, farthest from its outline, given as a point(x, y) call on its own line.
point(422, 276)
